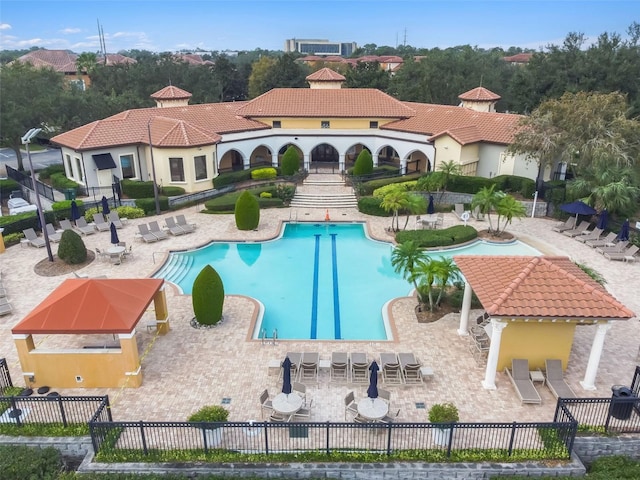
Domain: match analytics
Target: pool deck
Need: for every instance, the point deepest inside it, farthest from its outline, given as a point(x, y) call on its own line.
point(189, 368)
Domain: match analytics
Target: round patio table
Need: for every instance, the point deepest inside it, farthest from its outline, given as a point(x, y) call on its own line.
point(287, 404)
point(373, 408)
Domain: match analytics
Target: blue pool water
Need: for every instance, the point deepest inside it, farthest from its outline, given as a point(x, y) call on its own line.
point(317, 281)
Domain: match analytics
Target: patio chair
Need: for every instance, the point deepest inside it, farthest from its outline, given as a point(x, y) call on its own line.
point(439, 220)
point(34, 240)
point(384, 395)
point(458, 210)
point(52, 234)
point(519, 376)
point(339, 367)
point(359, 368)
point(66, 225)
point(555, 380)
point(279, 418)
point(629, 252)
point(84, 227)
point(301, 390)
point(115, 219)
point(617, 248)
point(182, 223)
point(174, 228)
point(410, 368)
point(265, 403)
point(100, 222)
point(350, 405)
point(155, 230)
point(578, 230)
point(390, 367)
point(391, 417)
point(147, 236)
point(569, 224)
point(309, 366)
point(101, 254)
point(595, 234)
point(602, 241)
point(304, 412)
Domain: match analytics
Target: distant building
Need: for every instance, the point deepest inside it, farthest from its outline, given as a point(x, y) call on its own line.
point(388, 63)
point(319, 47)
point(518, 58)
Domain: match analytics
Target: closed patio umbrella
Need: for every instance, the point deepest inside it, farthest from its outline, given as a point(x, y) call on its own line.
point(286, 376)
point(578, 208)
point(603, 219)
point(372, 391)
point(431, 209)
point(114, 234)
point(75, 211)
point(624, 231)
point(105, 205)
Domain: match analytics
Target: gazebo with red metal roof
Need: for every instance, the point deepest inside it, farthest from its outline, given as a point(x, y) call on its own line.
point(90, 307)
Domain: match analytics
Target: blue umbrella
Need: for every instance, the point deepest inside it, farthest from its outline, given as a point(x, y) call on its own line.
point(75, 211)
point(114, 234)
point(603, 219)
point(105, 205)
point(624, 231)
point(372, 391)
point(286, 376)
point(578, 208)
point(431, 209)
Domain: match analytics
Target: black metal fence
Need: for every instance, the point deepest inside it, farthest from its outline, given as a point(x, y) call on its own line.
point(5, 376)
point(26, 181)
point(517, 440)
point(47, 409)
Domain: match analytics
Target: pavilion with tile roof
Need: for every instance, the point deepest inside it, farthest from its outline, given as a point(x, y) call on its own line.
point(534, 305)
point(85, 310)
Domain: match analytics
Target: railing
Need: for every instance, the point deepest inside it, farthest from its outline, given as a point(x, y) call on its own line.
point(515, 440)
point(50, 409)
point(604, 415)
point(5, 376)
point(26, 181)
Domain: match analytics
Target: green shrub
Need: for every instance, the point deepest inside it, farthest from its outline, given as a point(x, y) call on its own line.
point(367, 188)
point(227, 202)
point(247, 211)
point(148, 205)
point(443, 413)
point(454, 298)
point(514, 184)
point(171, 191)
point(268, 173)
point(12, 238)
point(363, 164)
point(285, 192)
point(7, 186)
point(371, 206)
point(129, 212)
point(21, 462)
point(266, 195)
point(290, 161)
point(65, 204)
point(438, 238)
point(464, 184)
point(60, 182)
point(210, 413)
point(46, 173)
point(207, 296)
point(136, 189)
point(72, 249)
point(229, 178)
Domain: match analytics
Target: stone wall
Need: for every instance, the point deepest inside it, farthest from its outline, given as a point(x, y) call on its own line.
point(591, 448)
point(69, 447)
point(451, 198)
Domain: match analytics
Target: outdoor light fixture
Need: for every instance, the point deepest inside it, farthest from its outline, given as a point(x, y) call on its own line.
point(26, 140)
point(153, 169)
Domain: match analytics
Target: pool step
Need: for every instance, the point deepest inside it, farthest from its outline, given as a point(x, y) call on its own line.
point(336, 200)
point(185, 268)
point(176, 268)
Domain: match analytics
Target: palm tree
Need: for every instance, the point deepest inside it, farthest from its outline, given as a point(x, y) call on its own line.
point(415, 204)
point(613, 188)
point(508, 208)
point(487, 199)
point(425, 273)
point(446, 270)
point(393, 201)
point(449, 168)
point(405, 257)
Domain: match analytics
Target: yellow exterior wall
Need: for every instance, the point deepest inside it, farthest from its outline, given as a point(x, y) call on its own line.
point(163, 173)
point(536, 341)
point(335, 123)
point(447, 149)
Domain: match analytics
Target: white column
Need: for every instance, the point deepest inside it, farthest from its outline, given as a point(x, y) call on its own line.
point(306, 161)
point(463, 330)
point(588, 383)
point(274, 159)
point(374, 157)
point(489, 381)
point(341, 162)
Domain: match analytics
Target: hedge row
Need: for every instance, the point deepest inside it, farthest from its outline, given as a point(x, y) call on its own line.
point(227, 202)
point(171, 191)
point(229, 178)
point(60, 182)
point(371, 206)
point(367, 188)
point(7, 186)
point(46, 173)
point(438, 238)
point(149, 204)
point(136, 189)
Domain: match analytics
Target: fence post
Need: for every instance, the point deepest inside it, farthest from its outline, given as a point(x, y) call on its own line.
point(94, 441)
point(266, 437)
point(108, 407)
point(450, 439)
point(62, 412)
point(513, 436)
point(14, 407)
point(328, 429)
point(389, 427)
point(143, 438)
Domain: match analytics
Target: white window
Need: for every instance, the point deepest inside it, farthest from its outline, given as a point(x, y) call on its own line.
point(79, 167)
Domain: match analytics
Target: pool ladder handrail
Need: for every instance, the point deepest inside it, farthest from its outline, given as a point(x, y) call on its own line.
point(264, 338)
point(293, 216)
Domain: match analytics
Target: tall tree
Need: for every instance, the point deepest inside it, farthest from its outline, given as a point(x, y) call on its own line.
point(367, 75)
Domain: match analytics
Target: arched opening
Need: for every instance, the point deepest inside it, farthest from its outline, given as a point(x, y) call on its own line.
point(260, 156)
point(352, 154)
point(417, 162)
point(388, 156)
point(231, 162)
point(284, 149)
point(324, 153)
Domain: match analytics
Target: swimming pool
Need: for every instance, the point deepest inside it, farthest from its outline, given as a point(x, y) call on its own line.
point(316, 281)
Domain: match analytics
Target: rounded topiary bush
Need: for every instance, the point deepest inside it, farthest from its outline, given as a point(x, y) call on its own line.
point(72, 249)
point(207, 296)
point(363, 164)
point(290, 161)
point(247, 211)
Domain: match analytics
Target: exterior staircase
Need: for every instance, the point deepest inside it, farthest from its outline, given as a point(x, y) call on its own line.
point(324, 191)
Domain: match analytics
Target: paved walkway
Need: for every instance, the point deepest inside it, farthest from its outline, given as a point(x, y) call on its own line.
point(189, 368)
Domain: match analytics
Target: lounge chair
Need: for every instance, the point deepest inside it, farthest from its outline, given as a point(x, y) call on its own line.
point(350, 405)
point(33, 238)
point(339, 367)
point(578, 230)
point(595, 234)
point(555, 380)
point(569, 224)
point(617, 248)
point(52, 234)
point(410, 368)
point(458, 210)
point(602, 242)
point(390, 367)
point(265, 403)
point(629, 252)
point(294, 358)
point(100, 222)
point(66, 225)
point(182, 223)
point(84, 227)
point(173, 227)
point(157, 231)
point(115, 219)
point(359, 368)
point(147, 236)
point(309, 366)
point(5, 309)
point(519, 376)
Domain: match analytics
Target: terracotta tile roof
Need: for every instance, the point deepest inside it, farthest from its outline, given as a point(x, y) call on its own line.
point(435, 120)
point(117, 59)
point(480, 94)
point(326, 75)
point(307, 102)
point(310, 58)
point(170, 93)
point(537, 287)
point(193, 59)
point(191, 125)
point(518, 58)
point(60, 60)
